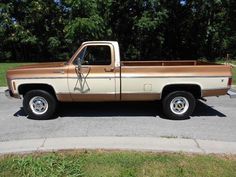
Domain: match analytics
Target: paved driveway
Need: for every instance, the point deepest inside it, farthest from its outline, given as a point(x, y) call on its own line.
point(213, 120)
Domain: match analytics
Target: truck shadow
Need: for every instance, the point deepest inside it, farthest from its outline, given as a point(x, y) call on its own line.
point(117, 109)
point(203, 109)
point(135, 109)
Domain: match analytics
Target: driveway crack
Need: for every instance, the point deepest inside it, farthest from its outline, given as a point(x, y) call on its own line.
point(42, 145)
point(198, 146)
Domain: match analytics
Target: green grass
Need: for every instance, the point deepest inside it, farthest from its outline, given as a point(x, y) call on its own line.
point(234, 75)
point(223, 60)
point(233, 62)
point(116, 164)
point(3, 68)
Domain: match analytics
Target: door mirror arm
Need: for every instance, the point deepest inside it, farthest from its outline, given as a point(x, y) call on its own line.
point(78, 65)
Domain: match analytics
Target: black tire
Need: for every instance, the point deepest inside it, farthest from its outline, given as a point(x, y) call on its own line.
point(170, 102)
point(39, 95)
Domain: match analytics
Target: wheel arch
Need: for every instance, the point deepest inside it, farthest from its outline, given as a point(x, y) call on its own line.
point(24, 88)
point(195, 89)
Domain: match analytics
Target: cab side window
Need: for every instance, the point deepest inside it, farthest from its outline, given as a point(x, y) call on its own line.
point(95, 55)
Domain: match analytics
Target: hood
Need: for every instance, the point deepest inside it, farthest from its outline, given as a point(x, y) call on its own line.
point(40, 65)
point(35, 70)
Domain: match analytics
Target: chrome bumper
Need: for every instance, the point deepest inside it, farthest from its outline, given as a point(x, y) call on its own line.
point(232, 93)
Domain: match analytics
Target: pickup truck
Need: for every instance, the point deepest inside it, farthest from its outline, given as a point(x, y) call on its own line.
point(95, 73)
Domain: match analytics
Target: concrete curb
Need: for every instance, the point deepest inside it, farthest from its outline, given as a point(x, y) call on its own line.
point(119, 143)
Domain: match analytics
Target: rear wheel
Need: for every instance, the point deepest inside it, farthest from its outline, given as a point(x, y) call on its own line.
point(178, 105)
point(39, 104)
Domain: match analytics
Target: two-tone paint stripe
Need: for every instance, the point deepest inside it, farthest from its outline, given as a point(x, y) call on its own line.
point(131, 77)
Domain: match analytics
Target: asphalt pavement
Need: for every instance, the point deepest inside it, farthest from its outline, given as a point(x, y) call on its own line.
point(212, 120)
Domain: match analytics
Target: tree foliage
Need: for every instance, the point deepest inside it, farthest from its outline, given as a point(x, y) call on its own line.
point(145, 29)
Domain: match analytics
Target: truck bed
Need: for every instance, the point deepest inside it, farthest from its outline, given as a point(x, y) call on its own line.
point(191, 68)
point(149, 78)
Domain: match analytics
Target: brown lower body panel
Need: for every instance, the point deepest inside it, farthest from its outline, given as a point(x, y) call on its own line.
point(126, 96)
point(140, 96)
point(64, 97)
point(107, 97)
point(86, 97)
point(215, 92)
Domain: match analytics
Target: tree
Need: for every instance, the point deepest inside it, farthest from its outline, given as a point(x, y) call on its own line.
point(31, 29)
point(86, 21)
point(145, 29)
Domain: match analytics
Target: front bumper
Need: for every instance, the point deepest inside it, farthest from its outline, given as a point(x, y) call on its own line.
point(9, 94)
point(232, 93)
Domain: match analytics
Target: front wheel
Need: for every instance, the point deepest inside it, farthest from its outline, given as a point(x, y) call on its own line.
point(178, 105)
point(39, 104)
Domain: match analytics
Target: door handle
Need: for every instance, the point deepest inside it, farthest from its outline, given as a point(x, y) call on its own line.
point(109, 69)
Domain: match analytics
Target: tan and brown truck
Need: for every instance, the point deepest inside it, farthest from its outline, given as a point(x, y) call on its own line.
point(95, 73)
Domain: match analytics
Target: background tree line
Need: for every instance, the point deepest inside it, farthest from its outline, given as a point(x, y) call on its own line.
point(35, 30)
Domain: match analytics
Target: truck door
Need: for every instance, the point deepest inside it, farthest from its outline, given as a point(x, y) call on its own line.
point(91, 76)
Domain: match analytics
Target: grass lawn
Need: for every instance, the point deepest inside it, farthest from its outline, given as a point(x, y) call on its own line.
point(116, 164)
point(3, 68)
point(230, 61)
point(234, 75)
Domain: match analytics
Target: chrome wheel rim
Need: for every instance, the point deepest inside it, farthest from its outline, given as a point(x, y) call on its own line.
point(38, 105)
point(179, 105)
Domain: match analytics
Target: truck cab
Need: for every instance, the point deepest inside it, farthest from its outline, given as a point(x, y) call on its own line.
point(94, 72)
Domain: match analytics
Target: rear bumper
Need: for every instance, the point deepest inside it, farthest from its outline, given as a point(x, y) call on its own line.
point(232, 93)
point(9, 94)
